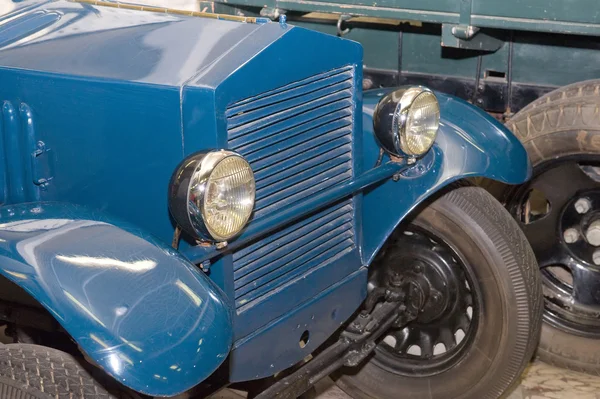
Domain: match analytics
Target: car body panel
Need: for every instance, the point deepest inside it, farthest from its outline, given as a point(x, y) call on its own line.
point(137, 308)
point(307, 327)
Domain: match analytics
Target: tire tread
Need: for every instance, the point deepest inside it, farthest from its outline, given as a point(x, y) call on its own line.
point(520, 261)
point(33, 371)
point(573, 107)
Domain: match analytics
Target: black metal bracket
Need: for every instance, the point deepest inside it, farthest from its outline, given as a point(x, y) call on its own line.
point(384, 308)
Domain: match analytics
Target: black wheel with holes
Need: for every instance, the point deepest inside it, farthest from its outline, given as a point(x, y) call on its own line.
point(480, 323)
point(33, 371)
point(559, 212)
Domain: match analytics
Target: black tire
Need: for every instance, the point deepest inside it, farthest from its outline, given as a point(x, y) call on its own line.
point(33, 371)
point(563, 124)
point(483, 232)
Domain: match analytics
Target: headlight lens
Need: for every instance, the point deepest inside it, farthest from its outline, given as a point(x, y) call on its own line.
point(422, 122)
point(406, 121)
point(212, 195)
point(229, 198)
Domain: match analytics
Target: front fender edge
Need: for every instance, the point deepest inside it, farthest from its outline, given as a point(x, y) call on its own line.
point(136, 307)
point(470, 143)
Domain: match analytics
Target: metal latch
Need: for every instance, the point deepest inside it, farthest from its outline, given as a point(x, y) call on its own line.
point(466, 36)
point(42, 165)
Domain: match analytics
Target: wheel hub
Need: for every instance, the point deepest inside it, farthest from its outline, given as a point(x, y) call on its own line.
point(436, 281)
point(581, 227)
point(435, 340)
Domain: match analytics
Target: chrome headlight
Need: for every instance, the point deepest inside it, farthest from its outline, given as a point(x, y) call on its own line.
point(211, 195)
point(406, 121)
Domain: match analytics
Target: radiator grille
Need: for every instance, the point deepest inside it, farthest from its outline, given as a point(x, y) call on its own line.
point(298, 139)
point(285, 256)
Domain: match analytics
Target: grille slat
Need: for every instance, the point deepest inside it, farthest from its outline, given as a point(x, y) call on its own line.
point(302, 151)
point(292, 166)
point(275, 265)
point(303, 189)
point(271, 134)
point(298, 140)
point(322, 95)
point(305, 140)
point(267, 251)
point(286, 91)
point(329, 254)
point(337, 100)
point(279, 238)
point(341, 164)
point(291, 137)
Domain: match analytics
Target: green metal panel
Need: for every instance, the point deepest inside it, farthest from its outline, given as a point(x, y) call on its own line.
point(435, 7)
point(554, 59)
point(520, 51)
point(380, 45)
point(421, 50)
point(584, 12)
point(561, 16)
point(467, 37)
point(542, 59)
point(421, 53)
point(538, 59)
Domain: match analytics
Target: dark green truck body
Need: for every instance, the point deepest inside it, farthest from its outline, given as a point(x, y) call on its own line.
point(500, 55)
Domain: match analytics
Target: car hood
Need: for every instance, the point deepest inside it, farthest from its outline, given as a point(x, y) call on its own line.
point(150, 47)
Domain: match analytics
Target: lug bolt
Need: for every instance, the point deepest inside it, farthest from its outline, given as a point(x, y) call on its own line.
point(418, 269)
point(571, 235)
point(582, 205)
point(596, 257)
point(593, 233)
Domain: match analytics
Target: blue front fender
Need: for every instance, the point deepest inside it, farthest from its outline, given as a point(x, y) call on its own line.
point(137, 308)
point(470, 143)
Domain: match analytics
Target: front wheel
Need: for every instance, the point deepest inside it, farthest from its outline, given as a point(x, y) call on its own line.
point(480, 325)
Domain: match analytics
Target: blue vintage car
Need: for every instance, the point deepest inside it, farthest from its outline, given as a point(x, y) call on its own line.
point(191, 201)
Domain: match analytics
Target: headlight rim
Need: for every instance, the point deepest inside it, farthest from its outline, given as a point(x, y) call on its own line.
point(190, 218)
point(391, 117)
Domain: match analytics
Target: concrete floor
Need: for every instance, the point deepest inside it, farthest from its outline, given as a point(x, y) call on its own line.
point(540, 381)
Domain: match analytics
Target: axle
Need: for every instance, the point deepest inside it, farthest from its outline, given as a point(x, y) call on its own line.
point(384, 308)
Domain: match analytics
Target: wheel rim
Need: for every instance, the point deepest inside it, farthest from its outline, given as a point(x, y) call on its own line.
point(441, 335)
point(559, 212)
